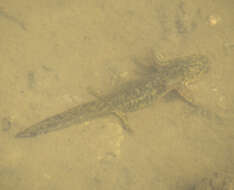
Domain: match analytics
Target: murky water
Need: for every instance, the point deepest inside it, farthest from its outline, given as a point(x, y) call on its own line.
point(51, 52)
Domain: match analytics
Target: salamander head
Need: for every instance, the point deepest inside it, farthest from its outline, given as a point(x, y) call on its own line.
point(194, 67)
point(184, 69)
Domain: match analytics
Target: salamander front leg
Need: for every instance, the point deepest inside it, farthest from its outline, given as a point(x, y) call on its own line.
point(185, 95)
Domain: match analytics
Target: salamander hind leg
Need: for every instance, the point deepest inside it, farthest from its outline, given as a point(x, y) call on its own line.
point(122, 117)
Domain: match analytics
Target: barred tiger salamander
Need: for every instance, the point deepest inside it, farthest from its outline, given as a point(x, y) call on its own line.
point(158, 81)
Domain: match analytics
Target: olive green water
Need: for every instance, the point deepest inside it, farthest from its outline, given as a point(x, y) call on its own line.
point(51, 52)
